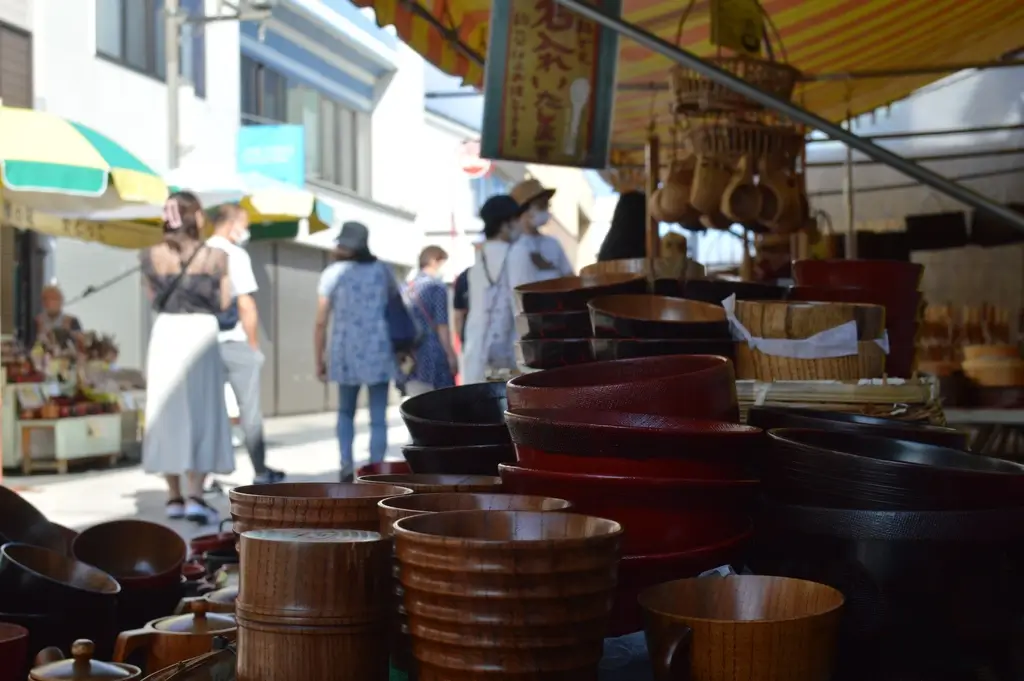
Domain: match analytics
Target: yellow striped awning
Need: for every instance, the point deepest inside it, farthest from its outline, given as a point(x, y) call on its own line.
point(819, 36)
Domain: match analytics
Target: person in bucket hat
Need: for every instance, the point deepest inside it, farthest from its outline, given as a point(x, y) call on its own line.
point(535, 256)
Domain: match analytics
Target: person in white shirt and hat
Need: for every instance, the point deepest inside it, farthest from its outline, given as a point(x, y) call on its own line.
point(535, 256)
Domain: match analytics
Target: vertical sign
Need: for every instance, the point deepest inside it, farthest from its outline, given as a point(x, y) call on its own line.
point(274, 151)
point(737, 25)
point(549, 85)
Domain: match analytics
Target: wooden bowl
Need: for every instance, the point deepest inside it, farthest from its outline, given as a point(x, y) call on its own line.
point(716, 290)
point(471, 460)
point(794, 622)
point(384, 467)
point(551, 353)
point(973, 352)
point(394, 509)
point(539, 609)
point(694, 386)
point(421, 484)
point(567, 294)
point(664, 268)
point(309, 505)
point(22, 522)
point(463, 415)
point(554, 325)
point(647, 316)
point(136, 553)
point(608, 349)
point(878, 274)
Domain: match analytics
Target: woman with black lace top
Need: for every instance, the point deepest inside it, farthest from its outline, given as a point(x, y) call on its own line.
point(187, 430)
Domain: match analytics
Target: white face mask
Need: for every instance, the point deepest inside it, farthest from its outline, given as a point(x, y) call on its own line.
point(243, 239)
point(539, 218)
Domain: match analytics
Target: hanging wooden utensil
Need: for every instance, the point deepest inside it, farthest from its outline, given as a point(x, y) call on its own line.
point(674, 200)
point(741, 199)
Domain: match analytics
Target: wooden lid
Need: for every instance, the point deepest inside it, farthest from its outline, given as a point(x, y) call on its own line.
point(81, 666)
point(200, 621)
point(312, 536)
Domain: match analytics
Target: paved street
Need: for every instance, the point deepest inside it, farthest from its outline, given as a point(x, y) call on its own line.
point(303, 446)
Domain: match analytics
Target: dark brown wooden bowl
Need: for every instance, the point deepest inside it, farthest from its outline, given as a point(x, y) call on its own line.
point(647, 316)
point(472, 460)
point(420, 483)
point(715, 290)
point(553, 325)
point(309, 505)
point(845, 470)
point(569, 294)
point(551, 353)
point(694, 386)
point(463, 415)
point(772, 417)
point(136, 553)
point(609, 349)
point(22, 522)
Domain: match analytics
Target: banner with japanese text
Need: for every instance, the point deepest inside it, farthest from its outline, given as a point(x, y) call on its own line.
point(549, 87)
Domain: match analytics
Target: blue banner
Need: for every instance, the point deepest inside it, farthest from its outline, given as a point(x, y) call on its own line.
point(274, 151)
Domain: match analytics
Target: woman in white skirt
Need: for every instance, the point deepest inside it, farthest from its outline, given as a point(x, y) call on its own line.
point(187, 430)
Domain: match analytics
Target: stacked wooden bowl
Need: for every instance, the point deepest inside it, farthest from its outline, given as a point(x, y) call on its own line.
point(799, 341)
point(641, 325)
point(994, 366)
point(669, 274)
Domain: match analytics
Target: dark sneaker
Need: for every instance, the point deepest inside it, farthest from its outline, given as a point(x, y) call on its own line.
point(199, 512)
point(175, 509)
point(269, 476)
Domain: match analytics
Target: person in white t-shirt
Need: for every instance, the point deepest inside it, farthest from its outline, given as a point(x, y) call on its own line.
point(239, 335)
point(535, 256)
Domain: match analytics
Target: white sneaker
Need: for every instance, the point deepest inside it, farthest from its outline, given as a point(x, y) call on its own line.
point(197, 511)
point(175, 509)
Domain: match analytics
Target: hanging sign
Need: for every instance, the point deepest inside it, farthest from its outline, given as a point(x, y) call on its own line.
point(737, 25)
point(549, 85)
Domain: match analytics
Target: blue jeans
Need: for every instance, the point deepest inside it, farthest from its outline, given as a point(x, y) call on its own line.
point(347, 397)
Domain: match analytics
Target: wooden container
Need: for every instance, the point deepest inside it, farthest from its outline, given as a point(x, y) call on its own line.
point(309, 505)
point(170, 640)
point(801, 320)
point(995, 372)
point(741, 628)
point(664, 268)
point(972, 352)
point(392, 510)
point(312, 605)
point(423, 483)
point(507, 595)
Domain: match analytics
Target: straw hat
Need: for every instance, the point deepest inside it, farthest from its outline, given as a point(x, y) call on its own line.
point(528, 191)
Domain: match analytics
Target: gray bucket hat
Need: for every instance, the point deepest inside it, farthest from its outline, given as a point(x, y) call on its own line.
point(354, 236)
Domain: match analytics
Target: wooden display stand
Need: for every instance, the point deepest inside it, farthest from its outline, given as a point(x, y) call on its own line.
point(53, 444)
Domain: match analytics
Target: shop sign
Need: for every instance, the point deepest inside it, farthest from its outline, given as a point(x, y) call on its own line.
point(471, 162)
point(737, 25)
point(274, 151)
point(550, 84)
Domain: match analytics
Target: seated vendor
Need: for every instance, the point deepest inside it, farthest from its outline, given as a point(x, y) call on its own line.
point(52, 318)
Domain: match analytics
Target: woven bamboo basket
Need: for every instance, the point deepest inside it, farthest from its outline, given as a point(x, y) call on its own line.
point(912, 399)
point(695, 93)
point(798, 321)
point(735, 138)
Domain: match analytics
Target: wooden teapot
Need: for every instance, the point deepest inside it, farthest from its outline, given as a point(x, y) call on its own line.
point(170, 640)
point(51, 665)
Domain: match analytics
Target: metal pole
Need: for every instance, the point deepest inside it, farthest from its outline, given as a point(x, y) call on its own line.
point(653, 169)
point(797, 113)
point(848, 198)
point(172, 47)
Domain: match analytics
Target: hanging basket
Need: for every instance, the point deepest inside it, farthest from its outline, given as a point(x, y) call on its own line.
point(695, 93)
point(733, 139)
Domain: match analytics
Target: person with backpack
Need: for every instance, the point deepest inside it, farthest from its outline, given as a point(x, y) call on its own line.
point(355, 297)
point(489, 341)
point(434, 360)
point(240, 336)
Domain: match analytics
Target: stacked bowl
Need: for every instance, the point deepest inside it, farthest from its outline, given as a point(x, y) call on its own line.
point(552, 320)
point(640, 325)
point(458, 431)
point(892, 284)
point(924, 541)
point(680, 488)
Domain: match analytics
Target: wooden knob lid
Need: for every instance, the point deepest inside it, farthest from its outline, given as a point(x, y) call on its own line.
point(81, 666)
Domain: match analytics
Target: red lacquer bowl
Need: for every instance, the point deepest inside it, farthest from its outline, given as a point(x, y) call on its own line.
point(694, 386)
point(645, 445)
point(657, 514)
point(875, 274)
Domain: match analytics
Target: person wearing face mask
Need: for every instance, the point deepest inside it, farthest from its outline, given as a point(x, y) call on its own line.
point(535, 256)
point(490, 324)
point(239, 335)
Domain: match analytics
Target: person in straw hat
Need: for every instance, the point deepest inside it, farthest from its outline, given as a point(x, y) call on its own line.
point(535, 256)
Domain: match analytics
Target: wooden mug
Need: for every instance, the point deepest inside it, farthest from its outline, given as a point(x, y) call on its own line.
point(741, 628)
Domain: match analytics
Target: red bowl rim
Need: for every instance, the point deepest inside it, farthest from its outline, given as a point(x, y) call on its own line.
point(687, 365)
point(625, 480)
point(577, 283)
point(691, 553)
point(598, 305)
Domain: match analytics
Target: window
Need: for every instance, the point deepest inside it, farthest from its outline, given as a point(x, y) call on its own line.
point(337, 146)
point(132, 33)
point(487, 186)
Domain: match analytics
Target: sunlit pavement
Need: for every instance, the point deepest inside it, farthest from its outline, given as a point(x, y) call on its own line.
point(304, 447)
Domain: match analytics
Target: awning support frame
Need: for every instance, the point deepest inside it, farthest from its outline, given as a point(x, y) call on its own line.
point(688, 59)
